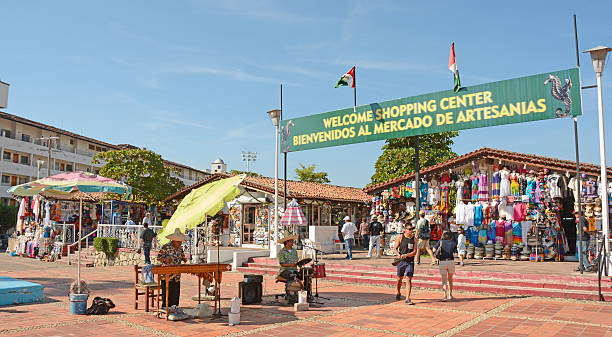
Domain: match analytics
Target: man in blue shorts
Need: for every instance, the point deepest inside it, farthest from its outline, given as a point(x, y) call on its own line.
point(406, 249)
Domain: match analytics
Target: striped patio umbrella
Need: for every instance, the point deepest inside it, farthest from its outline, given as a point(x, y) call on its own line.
point(293, 215)
point(68, 186)
point(201, 203)
point(64, 184)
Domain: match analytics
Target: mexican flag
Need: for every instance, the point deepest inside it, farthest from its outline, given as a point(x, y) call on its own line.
point(347, 79)
point(452, 66)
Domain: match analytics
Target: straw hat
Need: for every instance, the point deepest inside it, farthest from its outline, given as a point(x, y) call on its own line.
point(177, 236)
point(286, 237)
point(381, 218)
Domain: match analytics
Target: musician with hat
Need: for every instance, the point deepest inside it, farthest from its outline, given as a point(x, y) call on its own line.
point(287, 256)
point(172, 254)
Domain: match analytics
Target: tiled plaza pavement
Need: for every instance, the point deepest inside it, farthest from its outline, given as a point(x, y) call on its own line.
point(353, 309)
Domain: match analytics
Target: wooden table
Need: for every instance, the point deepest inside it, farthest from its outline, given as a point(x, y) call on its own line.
point(211, 271)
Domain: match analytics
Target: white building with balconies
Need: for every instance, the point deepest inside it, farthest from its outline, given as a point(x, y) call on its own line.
point(25, 147)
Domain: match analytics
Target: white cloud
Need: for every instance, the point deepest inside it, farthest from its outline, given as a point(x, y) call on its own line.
point(152, 83)
point(236, 74)
point(260, 10)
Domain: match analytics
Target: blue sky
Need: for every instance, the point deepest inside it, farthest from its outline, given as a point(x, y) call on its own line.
point(192, 80)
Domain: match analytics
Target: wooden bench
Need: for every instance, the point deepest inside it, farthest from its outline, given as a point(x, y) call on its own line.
point(149, 290)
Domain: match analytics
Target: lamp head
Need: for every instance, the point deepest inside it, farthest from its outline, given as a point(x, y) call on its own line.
point(274, 116)
point(598, 56)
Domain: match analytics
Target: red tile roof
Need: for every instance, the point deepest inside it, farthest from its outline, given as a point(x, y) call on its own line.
point(495, 154)
point(295, 189)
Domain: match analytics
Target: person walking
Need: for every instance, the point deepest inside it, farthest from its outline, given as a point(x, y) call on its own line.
point(364, 231)
point(348, 233)
point(375, 229)
point(424, 234)
point(147, 237)
point(447, 248)
point(461, 251)
point(586, 238)
point(405, 249)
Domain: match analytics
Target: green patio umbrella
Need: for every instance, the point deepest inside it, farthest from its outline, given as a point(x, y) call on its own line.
point(200, 203)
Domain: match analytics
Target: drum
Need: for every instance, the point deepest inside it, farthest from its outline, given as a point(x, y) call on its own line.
point(293, 286)
point(318, 270)
point(306, 272)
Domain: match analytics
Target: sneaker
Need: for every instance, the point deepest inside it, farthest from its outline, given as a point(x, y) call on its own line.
point(368, 256)
point(409, 302)
point(444, 299)
point(398, 297)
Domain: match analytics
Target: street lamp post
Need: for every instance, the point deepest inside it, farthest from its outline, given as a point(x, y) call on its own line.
point(39, 163)
point(275, 116)
point(598, 56)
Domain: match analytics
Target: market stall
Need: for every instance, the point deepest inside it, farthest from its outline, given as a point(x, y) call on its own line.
point(511, 205)
point(251, 214)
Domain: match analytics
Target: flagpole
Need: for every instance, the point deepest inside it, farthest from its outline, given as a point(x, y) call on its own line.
point(355, 90)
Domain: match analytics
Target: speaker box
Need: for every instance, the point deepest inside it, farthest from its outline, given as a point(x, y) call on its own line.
point(250, 292)
point(248, 278)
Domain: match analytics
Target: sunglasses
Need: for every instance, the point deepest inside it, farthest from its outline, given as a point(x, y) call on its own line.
point(409, 228)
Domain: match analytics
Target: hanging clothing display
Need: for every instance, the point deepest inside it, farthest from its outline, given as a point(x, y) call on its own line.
point(504, 185)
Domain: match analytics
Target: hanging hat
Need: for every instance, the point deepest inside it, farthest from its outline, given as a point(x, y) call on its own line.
point(177, 236)
point(286, 237)
point(381, 218)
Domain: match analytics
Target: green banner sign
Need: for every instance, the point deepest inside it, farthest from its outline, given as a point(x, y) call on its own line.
point(545, 96)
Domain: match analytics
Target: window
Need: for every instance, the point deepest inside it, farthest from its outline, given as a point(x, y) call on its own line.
point(91, 147)
point(6, 179)
point(5, 133)
point(22, 180)
point(56, 165)
point(69, 167)
point(25, 160)
point(62, 166)
point(71, 141)
point(218, 167)
point(6, 156)
point(99, 149)
point(25, 138)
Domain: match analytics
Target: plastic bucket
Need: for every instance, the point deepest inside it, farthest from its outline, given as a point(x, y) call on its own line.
point(78, 304)
point(233, 318)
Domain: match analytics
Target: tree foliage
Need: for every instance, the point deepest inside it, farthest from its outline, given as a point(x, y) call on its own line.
point(8, 217)
point(250, 174)
point(398, 154)
point(141, 169)
point(307, 173)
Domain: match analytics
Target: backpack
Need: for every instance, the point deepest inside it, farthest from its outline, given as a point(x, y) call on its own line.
point(425, 231)
point(100, 306)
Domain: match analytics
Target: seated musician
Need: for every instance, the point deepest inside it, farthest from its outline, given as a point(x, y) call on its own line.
point(287, 256)
point(172, 254)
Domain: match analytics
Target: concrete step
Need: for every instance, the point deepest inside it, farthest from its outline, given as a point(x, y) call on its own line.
point(459, 284)
point(459, 278)
point(556, 279)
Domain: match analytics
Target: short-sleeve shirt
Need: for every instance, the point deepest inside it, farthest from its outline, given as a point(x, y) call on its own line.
point(287, 256)
point(375, 228)
point(175, 255)
point(148, 235)
point(448, 247)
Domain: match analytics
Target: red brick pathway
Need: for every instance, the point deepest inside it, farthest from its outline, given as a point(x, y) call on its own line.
point(353, 309)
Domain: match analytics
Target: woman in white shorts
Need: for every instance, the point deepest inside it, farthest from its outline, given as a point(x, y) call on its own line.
point(447, 248)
